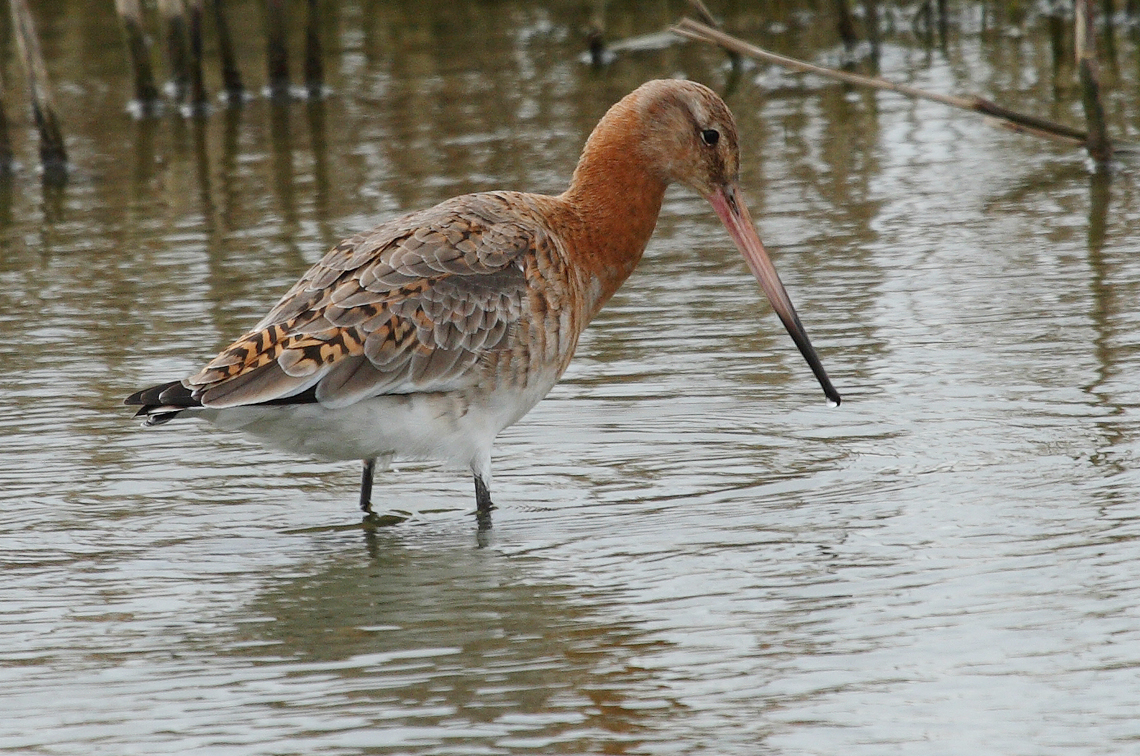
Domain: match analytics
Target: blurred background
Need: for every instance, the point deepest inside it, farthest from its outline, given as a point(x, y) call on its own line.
point(691, 553)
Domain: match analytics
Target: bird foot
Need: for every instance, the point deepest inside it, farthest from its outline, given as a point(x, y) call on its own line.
point(371, 520)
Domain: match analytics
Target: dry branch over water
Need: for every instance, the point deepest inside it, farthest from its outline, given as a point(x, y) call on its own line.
point(1019, 122)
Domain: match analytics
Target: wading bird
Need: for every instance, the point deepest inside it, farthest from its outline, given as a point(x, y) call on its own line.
point(428, 335)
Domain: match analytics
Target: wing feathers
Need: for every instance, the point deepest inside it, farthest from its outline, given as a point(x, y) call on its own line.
point(261, 384)
point(351, 380)
point(413, 305)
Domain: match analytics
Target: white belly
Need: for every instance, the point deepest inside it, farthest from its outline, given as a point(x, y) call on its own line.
point(454, 427)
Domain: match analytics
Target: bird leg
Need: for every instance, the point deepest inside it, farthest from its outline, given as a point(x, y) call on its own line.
point(482, 496)
point(366, 485)
point(483, 505)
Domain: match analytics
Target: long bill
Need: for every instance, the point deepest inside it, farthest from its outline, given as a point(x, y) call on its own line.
point(734, 215)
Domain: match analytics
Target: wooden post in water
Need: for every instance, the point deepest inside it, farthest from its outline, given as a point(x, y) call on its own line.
point(1098, 145)
point(146, 93)
point(314, 67)
point(174, 19)
point(1132, 19)
point(7, 159)
point(1057, 33)
point(53, 155)
point(231, 77)
point(706, 17)
point(846, 25)
point(596, 44)
point(874, 35)
point(1132, 11)
point(595, 31)
point(276, 52)
point(199, 102)
point(943, 23)
point(925, 12)
point(1108, 10)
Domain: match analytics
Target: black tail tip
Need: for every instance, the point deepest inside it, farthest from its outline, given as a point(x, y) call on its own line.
point(172, 394)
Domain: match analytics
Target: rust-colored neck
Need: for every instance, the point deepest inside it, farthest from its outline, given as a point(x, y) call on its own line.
point(613, 200)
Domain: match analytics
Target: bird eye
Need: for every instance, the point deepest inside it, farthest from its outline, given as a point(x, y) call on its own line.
point(710, 137)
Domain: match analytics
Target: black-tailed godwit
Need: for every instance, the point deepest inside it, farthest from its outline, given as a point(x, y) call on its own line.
point(428, 335)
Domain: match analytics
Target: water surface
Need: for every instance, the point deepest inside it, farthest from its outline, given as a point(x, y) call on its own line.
point(692, 553)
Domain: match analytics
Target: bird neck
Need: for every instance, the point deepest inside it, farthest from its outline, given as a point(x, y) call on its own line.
point(615, 198)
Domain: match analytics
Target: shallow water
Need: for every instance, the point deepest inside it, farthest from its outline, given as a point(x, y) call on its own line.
point(691, 553)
